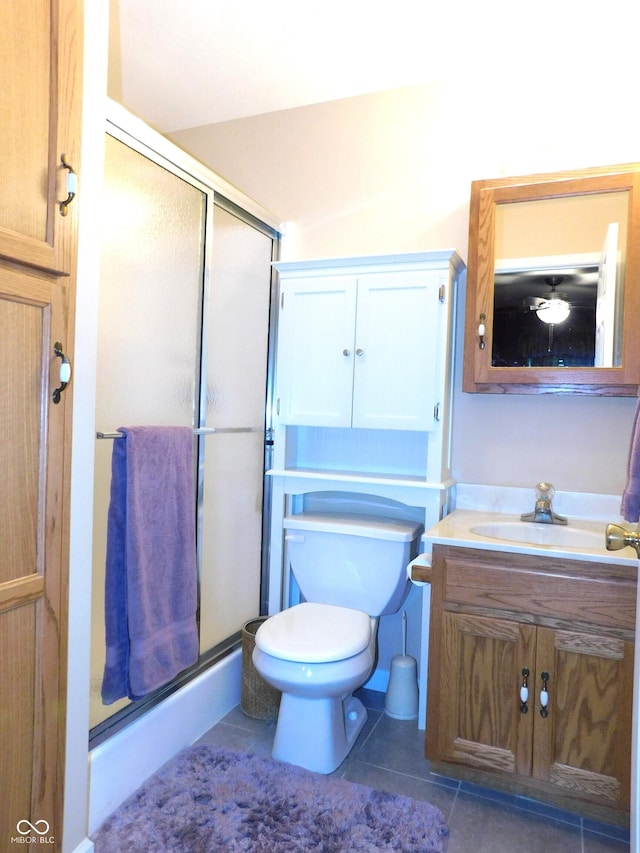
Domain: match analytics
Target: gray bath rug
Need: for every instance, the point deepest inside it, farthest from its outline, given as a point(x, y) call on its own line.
point(210, 800)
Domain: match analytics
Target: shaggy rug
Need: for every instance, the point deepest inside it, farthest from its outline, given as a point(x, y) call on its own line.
point(207, 800)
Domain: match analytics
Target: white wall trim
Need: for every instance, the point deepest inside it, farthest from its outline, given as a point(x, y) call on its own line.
point(121, 764)
point(94, 75)
point(85, 846)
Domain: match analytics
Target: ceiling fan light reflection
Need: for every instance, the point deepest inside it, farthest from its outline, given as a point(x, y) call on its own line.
point(553, 311)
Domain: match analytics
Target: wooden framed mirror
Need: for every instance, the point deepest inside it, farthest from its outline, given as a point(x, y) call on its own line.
point(553, 284)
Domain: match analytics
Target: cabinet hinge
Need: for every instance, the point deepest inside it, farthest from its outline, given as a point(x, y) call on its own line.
point(278, 406)
point(436, 412)
point(442, 293)
point(282, 300)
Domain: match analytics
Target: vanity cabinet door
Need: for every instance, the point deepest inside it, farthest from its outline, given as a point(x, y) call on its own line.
point(583, 744)
point(481, 722)
point(316, 350)
point(496, 614)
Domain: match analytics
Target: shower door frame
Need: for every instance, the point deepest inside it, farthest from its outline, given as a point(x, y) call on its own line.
point(134, 133)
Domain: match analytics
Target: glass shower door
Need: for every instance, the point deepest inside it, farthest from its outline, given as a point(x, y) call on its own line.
point(149, 317)
point(235, 334)
point(183, 328)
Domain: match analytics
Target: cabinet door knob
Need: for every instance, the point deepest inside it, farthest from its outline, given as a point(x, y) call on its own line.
point(524, 691)
point(544, 695)
point(65, 371)
point(346, 352)
point(359, 351)
point(72, 186)
point(482, 330)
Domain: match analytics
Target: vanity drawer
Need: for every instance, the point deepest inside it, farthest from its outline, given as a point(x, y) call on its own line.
point(539, 587)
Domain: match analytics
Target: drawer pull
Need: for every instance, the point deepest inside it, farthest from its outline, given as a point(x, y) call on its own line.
point(544, 695)
point(72, 186)
point(482, 331)
point(65, 371)
point(524, 691)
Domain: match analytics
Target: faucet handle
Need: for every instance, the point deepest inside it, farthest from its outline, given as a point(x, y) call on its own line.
point(617, 537)
point(545, 491)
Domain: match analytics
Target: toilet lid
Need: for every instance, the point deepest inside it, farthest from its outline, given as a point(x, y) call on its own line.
point(315, 633)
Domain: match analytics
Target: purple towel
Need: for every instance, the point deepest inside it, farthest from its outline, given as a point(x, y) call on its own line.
point(630, 508)
point(151, 569)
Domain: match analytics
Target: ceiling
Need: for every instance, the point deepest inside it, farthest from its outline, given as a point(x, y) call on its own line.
point(576, 284)
point(184, 64)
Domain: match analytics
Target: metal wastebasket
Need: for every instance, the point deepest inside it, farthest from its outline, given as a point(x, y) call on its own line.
point(258, 699)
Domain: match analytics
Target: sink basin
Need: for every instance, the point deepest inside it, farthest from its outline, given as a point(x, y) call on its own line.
point(533, 533)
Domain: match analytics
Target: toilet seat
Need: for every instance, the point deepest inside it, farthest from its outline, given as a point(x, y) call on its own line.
point(315, 633)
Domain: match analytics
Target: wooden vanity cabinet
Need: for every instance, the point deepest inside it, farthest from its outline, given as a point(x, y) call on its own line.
point(499, 619)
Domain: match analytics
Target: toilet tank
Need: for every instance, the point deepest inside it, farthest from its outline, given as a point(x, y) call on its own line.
point(351, 560)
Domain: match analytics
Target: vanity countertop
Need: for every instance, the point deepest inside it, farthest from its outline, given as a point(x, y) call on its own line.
point(468, 529)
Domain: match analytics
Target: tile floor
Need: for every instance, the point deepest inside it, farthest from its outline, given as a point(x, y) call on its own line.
point(389, 756)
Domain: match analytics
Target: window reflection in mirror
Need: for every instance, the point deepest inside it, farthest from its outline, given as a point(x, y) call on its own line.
point(559, 281)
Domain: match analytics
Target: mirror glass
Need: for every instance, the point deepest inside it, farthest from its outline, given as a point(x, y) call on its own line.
point(559, 275)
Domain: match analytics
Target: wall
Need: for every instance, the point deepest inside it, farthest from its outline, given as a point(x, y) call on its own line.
point(392, 172)
point(94, 72)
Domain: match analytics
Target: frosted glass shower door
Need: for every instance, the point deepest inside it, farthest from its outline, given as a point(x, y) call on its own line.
point(149, 323)
point(183, 328)
point(236, 327)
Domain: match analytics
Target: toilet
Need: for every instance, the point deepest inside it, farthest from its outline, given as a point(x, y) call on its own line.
point(350, 569)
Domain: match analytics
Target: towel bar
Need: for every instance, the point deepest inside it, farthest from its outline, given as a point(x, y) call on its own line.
point(197, 431)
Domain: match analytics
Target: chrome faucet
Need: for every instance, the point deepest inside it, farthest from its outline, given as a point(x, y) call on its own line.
point(542, 512)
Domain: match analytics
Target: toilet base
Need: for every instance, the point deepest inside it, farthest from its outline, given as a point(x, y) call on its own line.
point(317, 734)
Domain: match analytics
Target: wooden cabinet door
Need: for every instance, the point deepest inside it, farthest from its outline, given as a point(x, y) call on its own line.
point(481, 724)
point(40, 104)
point(396, 348)
point(316, 351)
point(584, 744)
point(39, 67)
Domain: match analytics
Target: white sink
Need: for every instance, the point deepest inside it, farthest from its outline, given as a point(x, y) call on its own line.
point(534, 533)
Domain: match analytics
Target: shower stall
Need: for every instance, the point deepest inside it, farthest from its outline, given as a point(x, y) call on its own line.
point(184, 338)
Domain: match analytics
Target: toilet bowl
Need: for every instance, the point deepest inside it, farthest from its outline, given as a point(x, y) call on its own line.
point(350, 570)
point(318, 719)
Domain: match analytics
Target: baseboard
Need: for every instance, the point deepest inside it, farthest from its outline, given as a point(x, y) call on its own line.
point(85, 846)
point(119, 765)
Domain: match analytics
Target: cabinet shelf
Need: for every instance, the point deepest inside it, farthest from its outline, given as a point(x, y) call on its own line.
point(410, 489)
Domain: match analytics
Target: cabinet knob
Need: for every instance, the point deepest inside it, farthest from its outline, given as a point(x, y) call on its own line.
point(482, 330)
point(524, 691)
point(65, 371)
point(346, 352)
point(72, 186)
point(359, 351)
point(544, 695)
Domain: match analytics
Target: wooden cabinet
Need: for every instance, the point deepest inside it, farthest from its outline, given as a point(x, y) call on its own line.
point(562, 627)
point(40, 102)
point(40, 69)
point(532, 238)
point(358, 347)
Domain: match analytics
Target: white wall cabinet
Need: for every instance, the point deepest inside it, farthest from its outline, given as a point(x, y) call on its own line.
point(360, 350)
